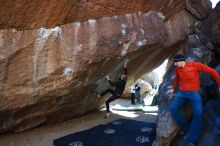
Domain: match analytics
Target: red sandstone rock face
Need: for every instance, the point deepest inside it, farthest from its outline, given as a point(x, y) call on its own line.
point(50, 75)
point(52, 72)
point(30, 14)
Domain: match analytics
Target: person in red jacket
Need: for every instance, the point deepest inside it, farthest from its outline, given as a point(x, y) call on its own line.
point(187, 76)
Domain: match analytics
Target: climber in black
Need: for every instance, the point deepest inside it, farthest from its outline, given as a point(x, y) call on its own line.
point(119, 89)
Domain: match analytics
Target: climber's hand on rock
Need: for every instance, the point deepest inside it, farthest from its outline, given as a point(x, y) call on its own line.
point(133, 37)
point(125, 65)
point(98, 95)
point(107, 77)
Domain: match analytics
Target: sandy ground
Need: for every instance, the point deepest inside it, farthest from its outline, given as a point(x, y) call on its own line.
point(44, 136)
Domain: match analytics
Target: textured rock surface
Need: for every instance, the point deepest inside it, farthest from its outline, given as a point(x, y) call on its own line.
point(29, 14)
point(204, 43)
point(200, 9)
point(209, 137)
point(50, 75)
point(167, 128)
point(152, 78)
point(211, 25)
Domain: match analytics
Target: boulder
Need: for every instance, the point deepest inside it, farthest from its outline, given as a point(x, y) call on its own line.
point(48, 75)
point(29, 14)
point(167, 129)
point(211, 25)
point(152, 78)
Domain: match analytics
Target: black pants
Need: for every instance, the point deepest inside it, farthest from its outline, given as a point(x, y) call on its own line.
point(132, 98)
point(112, 98)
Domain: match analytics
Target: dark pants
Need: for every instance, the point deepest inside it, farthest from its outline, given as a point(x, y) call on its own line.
point(112, 98)
point(138, 97)
point(132, 98)
point(193, 128)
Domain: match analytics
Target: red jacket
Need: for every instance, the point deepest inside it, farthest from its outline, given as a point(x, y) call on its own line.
point(188, 76)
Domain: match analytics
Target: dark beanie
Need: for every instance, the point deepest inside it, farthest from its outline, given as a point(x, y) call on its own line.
point(179, 57)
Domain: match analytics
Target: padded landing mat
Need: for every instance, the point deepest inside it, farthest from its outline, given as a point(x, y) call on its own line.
point(138, 107)
point(150, 109)
point(128, 107)
point(121, 132)
point(133, 126)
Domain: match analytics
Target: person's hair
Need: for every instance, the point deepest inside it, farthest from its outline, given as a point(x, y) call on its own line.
point(124, 77)
point(179, 57)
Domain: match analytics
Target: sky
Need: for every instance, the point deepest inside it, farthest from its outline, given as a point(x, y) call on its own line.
point(214, 2)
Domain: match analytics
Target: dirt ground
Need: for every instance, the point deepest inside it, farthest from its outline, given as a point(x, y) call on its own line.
point(44, 136)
